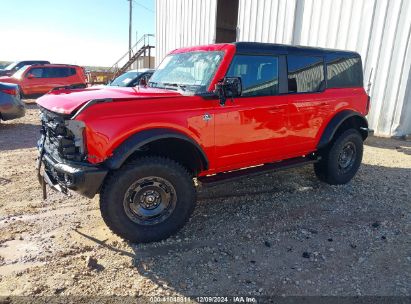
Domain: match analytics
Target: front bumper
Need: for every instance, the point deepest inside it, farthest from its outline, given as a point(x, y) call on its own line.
point(84, 179)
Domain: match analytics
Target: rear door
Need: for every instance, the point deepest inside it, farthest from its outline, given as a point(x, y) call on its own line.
point(58, 77)
point(252, 128)
point(309, 104)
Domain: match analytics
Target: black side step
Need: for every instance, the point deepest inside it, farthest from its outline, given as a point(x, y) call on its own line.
point(257, 170)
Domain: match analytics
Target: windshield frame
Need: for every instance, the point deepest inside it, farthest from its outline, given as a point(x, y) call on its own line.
point(187, 88)
point(19, 73)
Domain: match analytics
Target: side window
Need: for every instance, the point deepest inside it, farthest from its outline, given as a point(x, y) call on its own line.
point(305, 74)
point(344, 72)
point(36, 73)
point(72, 71)
point(259, 74)
point(58, 72)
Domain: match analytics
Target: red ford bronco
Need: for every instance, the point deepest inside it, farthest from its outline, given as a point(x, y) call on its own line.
point(209, 113)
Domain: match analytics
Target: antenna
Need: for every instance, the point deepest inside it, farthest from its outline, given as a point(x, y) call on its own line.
point(369, 82)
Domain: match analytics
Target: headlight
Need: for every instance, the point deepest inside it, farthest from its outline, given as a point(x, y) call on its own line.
point(77, 128)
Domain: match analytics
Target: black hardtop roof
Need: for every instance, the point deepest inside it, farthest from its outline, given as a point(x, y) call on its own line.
point(267, 48)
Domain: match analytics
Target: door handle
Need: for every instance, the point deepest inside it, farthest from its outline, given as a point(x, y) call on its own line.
point(323, 104)
point(275, 109)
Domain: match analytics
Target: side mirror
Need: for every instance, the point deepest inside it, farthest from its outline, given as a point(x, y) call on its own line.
point(228, 87)
point(30, 76)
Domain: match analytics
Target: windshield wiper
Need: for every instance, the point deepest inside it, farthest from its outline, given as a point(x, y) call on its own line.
point(175, 85)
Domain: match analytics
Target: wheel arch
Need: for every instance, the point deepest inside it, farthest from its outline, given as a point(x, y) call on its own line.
point(161, 142)
point(342, 121)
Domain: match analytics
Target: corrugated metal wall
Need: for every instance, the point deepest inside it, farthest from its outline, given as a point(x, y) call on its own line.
point(380, 30)
point(182, 23)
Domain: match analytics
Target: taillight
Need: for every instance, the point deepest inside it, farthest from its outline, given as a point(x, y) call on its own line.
point(367, 108)
point(9, 91)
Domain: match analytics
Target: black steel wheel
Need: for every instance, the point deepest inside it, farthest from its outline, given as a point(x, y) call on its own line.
point(150, 200)
point(346, 158)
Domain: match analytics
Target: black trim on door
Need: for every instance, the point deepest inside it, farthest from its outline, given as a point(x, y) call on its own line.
point(282, 75)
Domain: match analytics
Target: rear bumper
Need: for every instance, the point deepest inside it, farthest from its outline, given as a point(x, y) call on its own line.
point(84, 179)
point(16, 110)
point(367, 132)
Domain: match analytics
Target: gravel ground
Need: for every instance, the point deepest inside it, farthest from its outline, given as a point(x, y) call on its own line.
point(282, 233)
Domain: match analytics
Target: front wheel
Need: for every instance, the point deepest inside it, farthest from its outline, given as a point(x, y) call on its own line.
point(341, 159)
point(147, 200)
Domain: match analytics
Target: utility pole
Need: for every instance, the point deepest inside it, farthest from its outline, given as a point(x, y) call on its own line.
point(130, 28)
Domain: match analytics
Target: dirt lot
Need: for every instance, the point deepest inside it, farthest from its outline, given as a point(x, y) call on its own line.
point(283, 233)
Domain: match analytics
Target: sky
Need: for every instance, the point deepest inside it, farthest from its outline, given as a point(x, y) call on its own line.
point(83, 32)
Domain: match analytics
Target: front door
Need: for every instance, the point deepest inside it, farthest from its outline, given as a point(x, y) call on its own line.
point(252, 129)
point(33, 81)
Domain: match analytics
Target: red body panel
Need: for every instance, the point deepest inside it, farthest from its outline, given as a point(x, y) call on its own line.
point(35, 86)
point(70, 100)
point(245, 132)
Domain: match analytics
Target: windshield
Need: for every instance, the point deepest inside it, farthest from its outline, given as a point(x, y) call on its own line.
point(20, 72)
point(190, 71)
point(125, 79)
point(11, 66)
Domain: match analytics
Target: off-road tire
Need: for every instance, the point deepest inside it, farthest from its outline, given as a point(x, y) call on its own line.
point(117, 185)
point(328, 169)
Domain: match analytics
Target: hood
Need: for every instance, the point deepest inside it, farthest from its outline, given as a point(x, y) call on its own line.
point(67, 101)
point(8, 79)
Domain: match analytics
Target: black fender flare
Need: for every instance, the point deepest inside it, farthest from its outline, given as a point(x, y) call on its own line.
point(136, 141)
point(337, 121)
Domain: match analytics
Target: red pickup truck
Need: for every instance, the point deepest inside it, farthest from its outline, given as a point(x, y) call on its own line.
point(208, 114)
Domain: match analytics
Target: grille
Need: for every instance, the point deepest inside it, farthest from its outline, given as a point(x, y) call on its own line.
point(59, 140)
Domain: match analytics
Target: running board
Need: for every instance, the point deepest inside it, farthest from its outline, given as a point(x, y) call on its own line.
point(210, 180)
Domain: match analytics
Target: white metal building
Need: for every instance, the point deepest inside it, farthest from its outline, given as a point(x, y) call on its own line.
point(380, 30)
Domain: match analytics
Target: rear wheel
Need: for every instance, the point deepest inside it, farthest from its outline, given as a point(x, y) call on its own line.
point(341, 159)
point(148, 200)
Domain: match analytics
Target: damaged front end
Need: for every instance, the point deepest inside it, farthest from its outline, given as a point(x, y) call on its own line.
point(62, 162)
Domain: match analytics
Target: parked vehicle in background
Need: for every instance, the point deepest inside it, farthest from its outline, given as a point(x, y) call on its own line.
point(11, 106)
point(15, 66)
point(209, 113)
point(35, 80)
point(132, 78)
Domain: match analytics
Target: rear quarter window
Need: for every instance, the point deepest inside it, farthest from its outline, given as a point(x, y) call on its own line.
point(344, 72)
